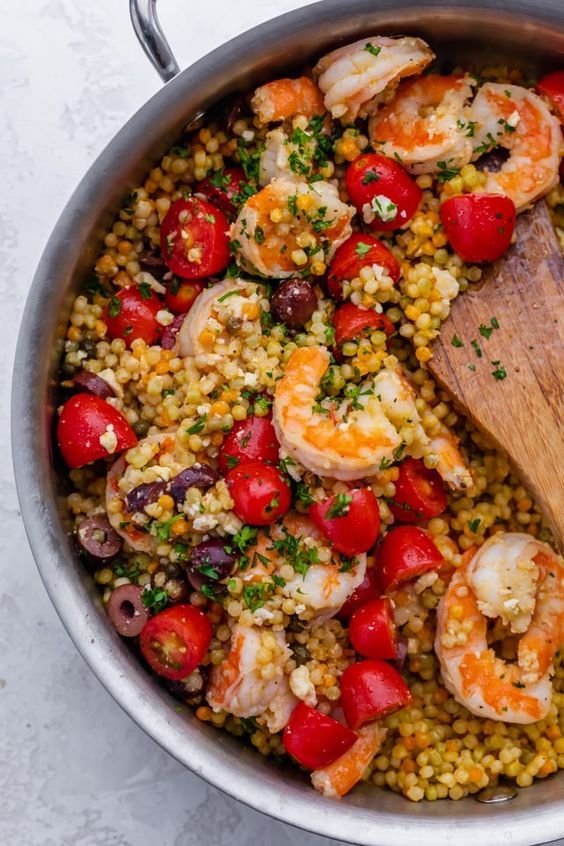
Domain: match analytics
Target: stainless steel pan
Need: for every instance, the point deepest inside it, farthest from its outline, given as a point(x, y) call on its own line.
point(529, 33)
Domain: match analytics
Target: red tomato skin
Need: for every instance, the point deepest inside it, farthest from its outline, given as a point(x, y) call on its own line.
point(137, 317)
point(370, 588)
point(370, 690)
point(82, 421)
point(186, 622)
point(419, 495)
point(222, 198)
point(393, 182)
point(315, 740)
point(479, 227)
point(354, 532)
point(260, 492)
point(350, 321)
point(186, 294)
point(252, 439)
point(551, 86)
point(347, 263)
point(406, 552)
point(209, 229)
point(372, 630)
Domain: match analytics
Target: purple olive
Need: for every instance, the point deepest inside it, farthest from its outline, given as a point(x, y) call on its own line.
point(401, 654)
point(493, 161)
point(168, 338)
point(126, 610)
point(143, 495)
point(200, 476)
point(93, 384)
point(209, 563)
point(151, 261)
point(293, 303)
point(96, 537)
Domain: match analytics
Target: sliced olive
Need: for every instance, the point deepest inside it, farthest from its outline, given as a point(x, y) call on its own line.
point(293, 303)
point(144, 495)
point(93, 384)
point(96, 537)
point(126, 610)
point(209, 563)
point(168, 338)
point(200, 476)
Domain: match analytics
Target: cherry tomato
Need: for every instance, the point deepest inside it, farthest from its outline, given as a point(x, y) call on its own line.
point(385, 186)
point(369, 588)
point(260, 492)
point(479, 226)
point(85, 419)
point(350, 521)
point(372, 630)
point(358, 252)
point(253, 439)
point(350, 321)
point(314, 739)
point(551, 86)
point(175, 641)
point(181, 296)
point(223, 186)
point(419, 493)
point(406, 552)
point(132, 314)
point(194, 239)
point(370, 690)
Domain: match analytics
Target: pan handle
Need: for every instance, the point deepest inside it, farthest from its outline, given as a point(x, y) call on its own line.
point(151, 37)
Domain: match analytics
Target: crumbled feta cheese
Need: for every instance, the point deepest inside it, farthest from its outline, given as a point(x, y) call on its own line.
point(514, 118)
point(164, 317)
point(205, 523)
point(109, 439)
point(109, 376)
point(380, 207)
point(144, 278)
point(250, 380)
point(302, 686)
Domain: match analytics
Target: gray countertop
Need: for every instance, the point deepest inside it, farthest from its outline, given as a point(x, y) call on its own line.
point(74, 769)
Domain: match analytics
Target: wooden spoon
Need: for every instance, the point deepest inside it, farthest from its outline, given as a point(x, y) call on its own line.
point(508, 378)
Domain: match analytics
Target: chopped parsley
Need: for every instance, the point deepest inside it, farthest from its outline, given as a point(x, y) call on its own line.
point(145, 291)
point(485, 331)
point(447, 172)
point(456, 342)
point(155, 599)
point(500, 372)
point(340, 507)
point(250, 162)
point(198, 426)
point(476, 347)
point(162, 530)
point(474, 525)
point(370, 48)
point(256, 595)
point(303, 494)
point(114, 307)
point(383, 208)
point(259, 235)
point(362, 249)
point(296, 554)
point(370, 176)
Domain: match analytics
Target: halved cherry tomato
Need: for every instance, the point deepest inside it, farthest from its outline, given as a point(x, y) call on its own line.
point(551, 86)
point(350, 321)
point(314, 739)
point(406, 552)
point(419, 494)
point(84, 420)
point(223, 186)
point(358, 252)
point(132, 314)
point(174, 641)
point(181, 296)
point(479, 226)
point(382, 184)
point(194, 239)
point(372, 630)
point(370, 690)
point(350, 521)
point(253, 439)
point(260, 492)
point(369, 588)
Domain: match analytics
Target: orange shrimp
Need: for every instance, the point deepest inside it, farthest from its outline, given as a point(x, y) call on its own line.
point(283, 99)
point(341, 776)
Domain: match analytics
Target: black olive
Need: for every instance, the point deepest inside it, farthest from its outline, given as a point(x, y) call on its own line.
point(209, 563)
point(168, 338)
point(293, 303)
point(143, 495)
point(96, 537)
point(200, 476)
point(93, 384)
point(127, 611)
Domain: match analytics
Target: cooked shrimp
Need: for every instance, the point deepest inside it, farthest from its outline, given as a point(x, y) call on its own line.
point(345, 440)
point(449, 462)
point(318, 586)
point(519, 580)
point(275, 225)
point(156, 458)
point(341, 776)
point(286, 98)
point(205, 324)
point(356, 78)
point(518, 120)
point(425, 124)
point(246, 685)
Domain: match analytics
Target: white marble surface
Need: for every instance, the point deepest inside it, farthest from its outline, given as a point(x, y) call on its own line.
point(75, 770)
